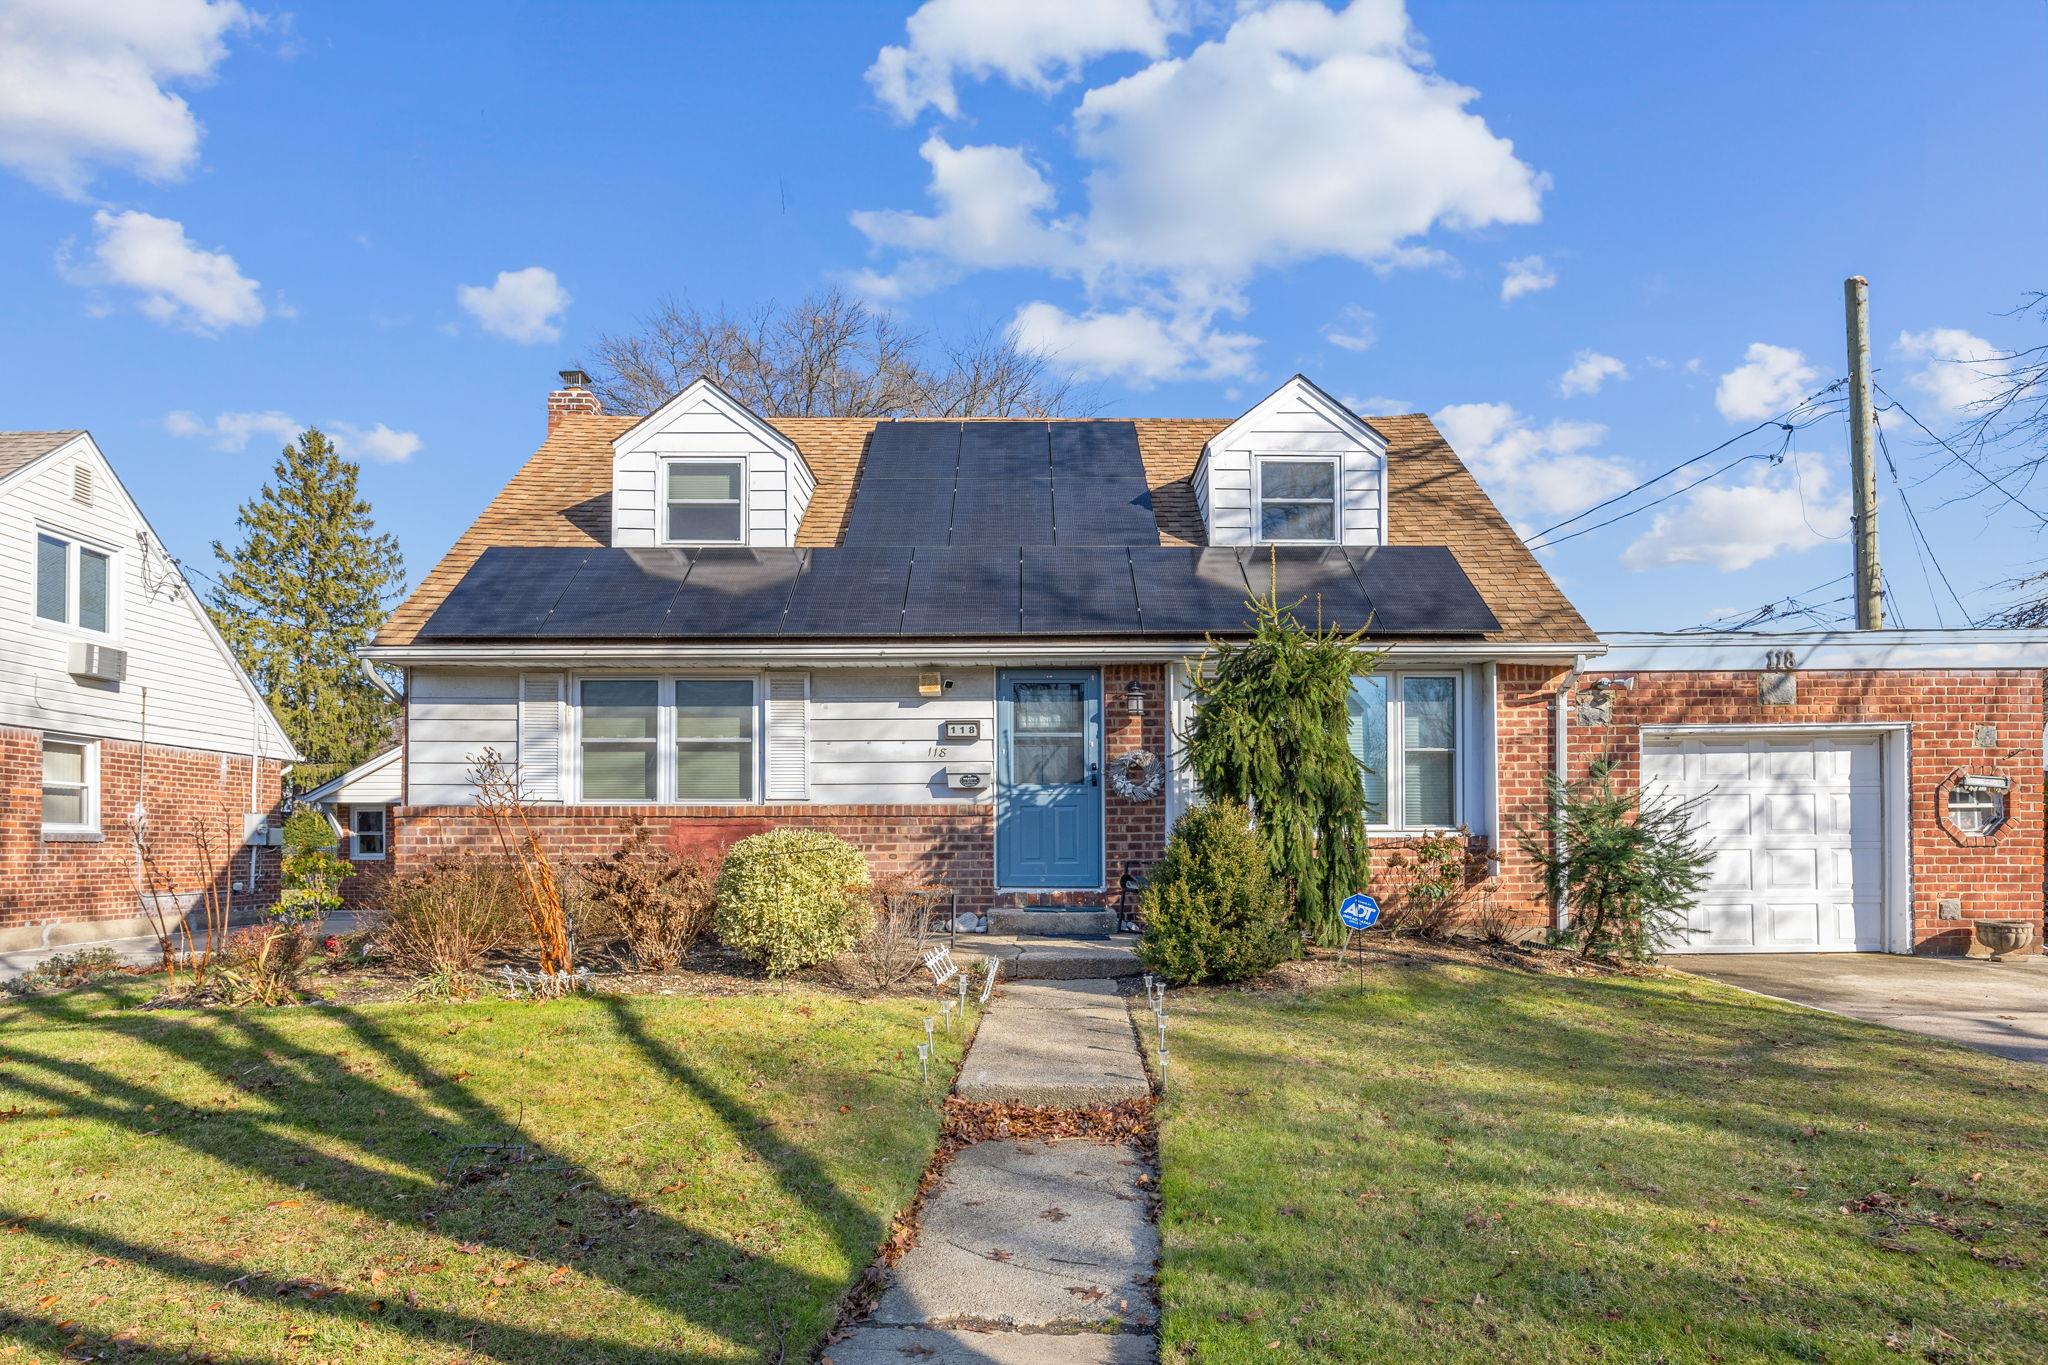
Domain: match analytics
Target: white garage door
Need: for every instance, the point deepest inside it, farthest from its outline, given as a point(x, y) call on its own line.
point(1796, 829)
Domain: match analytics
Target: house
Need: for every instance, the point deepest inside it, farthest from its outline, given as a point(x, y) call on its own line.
point(138, 758)
point(359, 804)
point(962, 645)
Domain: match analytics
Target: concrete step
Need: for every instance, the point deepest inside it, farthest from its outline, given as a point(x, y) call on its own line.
point(1012, 919)
point(1032, 957)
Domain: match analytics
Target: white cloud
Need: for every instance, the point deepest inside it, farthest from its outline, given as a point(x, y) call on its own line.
point(379, 442)
point(990, 205)
point(1589, 370)
point(1958, 372)
point(83, 85)
point(1770, 380)
point(1351, 329)
point(1038, 46)
point(1781, 509)
point(234, 430)
point(1526, 275)
point(1134, 344)
point(524, 305)
point(179, 283)
point(1548, 471)
point(1377, 405)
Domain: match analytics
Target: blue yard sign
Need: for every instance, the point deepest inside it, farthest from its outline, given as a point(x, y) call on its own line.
point(1359, 912)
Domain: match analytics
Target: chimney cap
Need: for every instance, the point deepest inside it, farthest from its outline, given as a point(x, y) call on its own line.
point(575, 379)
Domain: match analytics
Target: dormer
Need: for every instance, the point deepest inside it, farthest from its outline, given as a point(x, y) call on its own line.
point(703, 469)
point(1298, 469)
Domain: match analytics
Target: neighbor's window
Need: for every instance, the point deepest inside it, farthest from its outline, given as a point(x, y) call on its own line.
point(1297, 500)
point(74, 583)
point(620, 738)
point(70, 781)
point(705, 502)
point(1976, 810)
point(714, 739)
point(1403, 729)
point(366, 823)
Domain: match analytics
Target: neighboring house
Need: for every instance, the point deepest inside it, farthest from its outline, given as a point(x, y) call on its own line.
point(946, 640)
point(359, 804)
point(137, 756)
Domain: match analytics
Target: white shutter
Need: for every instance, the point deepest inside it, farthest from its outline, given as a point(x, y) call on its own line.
point(789, 737)
point(540, 736)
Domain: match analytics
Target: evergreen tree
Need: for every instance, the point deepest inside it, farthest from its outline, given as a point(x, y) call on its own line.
point(308, 584)
point(1269, 733)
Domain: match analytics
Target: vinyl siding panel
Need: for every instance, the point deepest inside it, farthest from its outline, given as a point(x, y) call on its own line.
point(456, 714)
point(1294, 421)
point(699, 425)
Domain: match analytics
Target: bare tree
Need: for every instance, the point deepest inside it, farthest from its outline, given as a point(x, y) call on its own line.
point(828, 355)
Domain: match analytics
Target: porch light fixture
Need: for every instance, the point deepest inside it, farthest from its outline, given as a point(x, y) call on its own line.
point(931, 685)
point(1134, 698)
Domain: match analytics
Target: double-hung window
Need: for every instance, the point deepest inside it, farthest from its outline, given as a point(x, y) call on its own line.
point(366, 825)
point(705, 501)
point(1403, 730)
point(74, 584)
point(71, 800)
point(714, 739)
point(1297, 500)
point(669, 739)
point(621, 729)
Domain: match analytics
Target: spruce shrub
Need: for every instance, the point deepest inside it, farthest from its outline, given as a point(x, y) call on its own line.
point(792, 898)
point(1213, 910)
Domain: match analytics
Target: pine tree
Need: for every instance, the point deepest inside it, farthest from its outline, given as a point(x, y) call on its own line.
point(308, 584)
point(1269, 734)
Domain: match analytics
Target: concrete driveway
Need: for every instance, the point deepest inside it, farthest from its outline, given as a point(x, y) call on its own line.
point(2001, 1007)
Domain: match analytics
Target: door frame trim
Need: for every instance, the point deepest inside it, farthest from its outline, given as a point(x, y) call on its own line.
point(1101, 886)
point(1895, 799)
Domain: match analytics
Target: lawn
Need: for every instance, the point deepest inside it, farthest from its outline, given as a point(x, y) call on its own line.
point(1470, 1162)
point(671, 1178)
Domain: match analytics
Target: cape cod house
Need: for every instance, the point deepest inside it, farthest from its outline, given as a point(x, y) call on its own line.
point(961, 645)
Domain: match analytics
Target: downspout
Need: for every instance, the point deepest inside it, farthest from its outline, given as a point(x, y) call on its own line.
point(1561, 766)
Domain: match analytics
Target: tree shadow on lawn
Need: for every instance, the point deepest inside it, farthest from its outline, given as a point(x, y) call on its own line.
point(691, 1274)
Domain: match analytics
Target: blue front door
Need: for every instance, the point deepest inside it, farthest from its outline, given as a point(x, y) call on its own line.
point(1048, 779)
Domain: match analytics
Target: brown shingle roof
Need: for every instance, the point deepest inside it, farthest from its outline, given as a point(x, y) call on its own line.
point(563, 497)
point(20, 449)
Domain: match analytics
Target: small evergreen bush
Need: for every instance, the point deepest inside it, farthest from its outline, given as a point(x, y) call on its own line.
point(1213, 910)
point(792, 898)
point(312, 871)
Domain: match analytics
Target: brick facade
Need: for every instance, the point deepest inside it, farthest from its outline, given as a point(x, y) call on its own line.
point(48, 881)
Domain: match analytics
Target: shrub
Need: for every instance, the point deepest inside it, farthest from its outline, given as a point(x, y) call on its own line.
point(1213, 910)
point(449, 917)
point(898, 932)
point(1445, 868)
point(656, 900)
point(791, 898)
point(260, 966)
point(312, 872)
point(79, 967)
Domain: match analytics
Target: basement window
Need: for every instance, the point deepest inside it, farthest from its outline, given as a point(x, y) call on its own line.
point(1976, 808)
point(705, 502)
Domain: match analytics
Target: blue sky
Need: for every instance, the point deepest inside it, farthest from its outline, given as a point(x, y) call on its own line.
point(399, 221)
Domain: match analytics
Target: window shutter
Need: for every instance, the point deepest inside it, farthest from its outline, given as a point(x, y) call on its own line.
point(789, 737)
point(540, 736)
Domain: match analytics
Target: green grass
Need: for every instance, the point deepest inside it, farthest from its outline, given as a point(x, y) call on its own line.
point(1454, 1162)
point(706, 1177)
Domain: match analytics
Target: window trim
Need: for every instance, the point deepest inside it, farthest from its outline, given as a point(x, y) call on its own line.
point(75, 547)
point(1396, 773)
point(90, 786)
point(1336, 499)
point(665, 738)
point(355, 833)
point(662, 501)
point(1996, 802)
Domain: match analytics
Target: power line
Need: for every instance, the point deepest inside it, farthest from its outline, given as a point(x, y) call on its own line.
point(1923, 545)
point(1961, 458)
point(1774, 457)
point(1777, 608)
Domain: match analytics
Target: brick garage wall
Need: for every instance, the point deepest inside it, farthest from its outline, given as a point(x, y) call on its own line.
point(75, 883)
point(1998, 878)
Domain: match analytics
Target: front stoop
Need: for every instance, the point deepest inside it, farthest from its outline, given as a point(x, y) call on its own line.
point(1048, 921)
point(1036, 957)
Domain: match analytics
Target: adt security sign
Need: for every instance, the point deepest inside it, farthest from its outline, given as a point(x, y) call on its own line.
point(1359, 912)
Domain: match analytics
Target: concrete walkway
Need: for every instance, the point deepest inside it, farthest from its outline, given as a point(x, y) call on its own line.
point(144, 952)
point(1031, 1253)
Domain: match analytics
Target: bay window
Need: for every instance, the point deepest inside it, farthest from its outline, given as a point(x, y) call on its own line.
point(1403, 730)
point(668, 739)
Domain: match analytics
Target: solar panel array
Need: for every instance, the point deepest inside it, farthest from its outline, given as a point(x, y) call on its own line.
point(950, 591)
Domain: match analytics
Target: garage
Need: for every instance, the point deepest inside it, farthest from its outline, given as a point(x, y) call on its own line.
point(1796, 824)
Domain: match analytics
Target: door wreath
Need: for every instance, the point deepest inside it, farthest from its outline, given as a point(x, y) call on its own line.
point(1137, 775)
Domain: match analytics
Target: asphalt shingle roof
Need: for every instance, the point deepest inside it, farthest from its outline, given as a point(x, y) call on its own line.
point(20, 449)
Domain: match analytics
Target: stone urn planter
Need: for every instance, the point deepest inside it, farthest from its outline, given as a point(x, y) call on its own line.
point(2002, 936)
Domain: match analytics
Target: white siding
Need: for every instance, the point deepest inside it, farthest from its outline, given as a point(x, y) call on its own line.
point(378, 787)
point(452, 716)
point(703, 421)
point(1296, 420)
point(197, 697)
point(875, 741)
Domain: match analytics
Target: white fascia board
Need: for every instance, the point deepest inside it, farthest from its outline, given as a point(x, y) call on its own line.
point(630, 439)
point(1363, 431)
point(1011, 652)
point(1823, 650)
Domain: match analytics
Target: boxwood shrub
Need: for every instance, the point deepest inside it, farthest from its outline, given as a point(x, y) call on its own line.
point(792, 898)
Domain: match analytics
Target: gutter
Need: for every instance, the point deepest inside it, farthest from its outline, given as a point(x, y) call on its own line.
point(922, 651)
point(376, 679)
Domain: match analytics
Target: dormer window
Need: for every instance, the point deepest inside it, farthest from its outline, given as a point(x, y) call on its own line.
point(705, 502)
point(1297, 501)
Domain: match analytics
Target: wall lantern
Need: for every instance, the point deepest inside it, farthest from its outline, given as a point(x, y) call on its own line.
point(1134, 698)
point(931, 685)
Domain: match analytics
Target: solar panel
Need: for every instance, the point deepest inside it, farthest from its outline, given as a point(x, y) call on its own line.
point(734, 592)
point(912, 450)
point(853, 590)
point(900, 512)
point(1096, 450)
point(1421, 590)
point(1003, 450)
point(507, 593)
point(619, 593)
point(962, 590)
point(1102, 511)
point(1078, 591)
point(1009, 511)
point(1186, 591)
point(1315, 582)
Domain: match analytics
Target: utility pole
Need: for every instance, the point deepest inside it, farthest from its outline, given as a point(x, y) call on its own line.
point(1862, 471)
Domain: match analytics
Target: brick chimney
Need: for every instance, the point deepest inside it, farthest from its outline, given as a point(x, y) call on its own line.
point(574, 398)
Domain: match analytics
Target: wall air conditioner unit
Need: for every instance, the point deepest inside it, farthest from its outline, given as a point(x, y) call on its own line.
point(102, 662)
